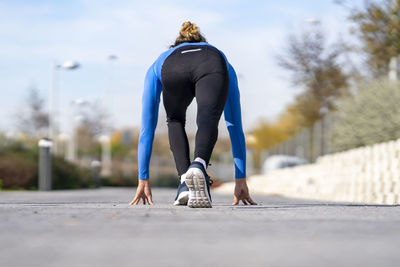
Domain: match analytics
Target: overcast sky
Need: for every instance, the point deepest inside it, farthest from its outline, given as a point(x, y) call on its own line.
point(34, 34)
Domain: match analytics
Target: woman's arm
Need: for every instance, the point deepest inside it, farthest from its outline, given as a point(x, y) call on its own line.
point(150, 105)
point(233, 119)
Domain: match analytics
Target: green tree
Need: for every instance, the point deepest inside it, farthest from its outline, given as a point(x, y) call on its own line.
point(264, 136)
point(377, 25)
point(267, 134)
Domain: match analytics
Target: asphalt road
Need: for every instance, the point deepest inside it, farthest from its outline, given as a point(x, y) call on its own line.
point(98, 228)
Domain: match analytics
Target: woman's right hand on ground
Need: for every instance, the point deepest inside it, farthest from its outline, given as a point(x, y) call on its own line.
point(143, 192)
point(241, 192)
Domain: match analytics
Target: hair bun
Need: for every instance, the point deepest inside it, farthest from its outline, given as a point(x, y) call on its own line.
point(190, 31)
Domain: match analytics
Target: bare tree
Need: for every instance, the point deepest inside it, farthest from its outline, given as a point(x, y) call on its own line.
point(313, 67)
point(96, 118)
point(31, 118)
point(94, 121)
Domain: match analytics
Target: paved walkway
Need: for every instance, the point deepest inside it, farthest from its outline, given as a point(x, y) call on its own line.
point(98, 228)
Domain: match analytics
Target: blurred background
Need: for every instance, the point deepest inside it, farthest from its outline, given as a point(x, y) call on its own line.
point(315, 77)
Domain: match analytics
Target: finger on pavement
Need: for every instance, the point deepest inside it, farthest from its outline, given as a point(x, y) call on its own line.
point(251, 201)
point(133, 202)
point(235, 201)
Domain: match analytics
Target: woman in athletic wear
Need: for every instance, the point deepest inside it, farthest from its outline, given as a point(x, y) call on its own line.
point(192, 68)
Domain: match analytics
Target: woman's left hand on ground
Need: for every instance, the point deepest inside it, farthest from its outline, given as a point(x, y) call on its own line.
point(242, 193)
point(143, 192)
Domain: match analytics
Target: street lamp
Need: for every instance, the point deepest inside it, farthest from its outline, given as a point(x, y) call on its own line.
point(112, 57)
point(67, 65)
point(80, 102)
point(70, 65)
point(313, 21)
point(104, 98)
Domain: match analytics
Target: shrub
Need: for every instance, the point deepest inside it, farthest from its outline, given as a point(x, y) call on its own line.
point(166, 180)
point(69, 176)
point(371, 115)
point(19, 169)
point(119, 180)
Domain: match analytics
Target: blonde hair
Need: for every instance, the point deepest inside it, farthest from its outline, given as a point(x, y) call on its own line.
point(189, 33)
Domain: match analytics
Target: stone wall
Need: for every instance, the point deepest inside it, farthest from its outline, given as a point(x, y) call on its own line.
point(368, 174)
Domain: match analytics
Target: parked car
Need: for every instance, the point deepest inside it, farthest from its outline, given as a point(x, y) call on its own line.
point(281, 161)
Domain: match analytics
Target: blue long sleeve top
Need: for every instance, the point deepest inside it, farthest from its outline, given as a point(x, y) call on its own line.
point(150, 105)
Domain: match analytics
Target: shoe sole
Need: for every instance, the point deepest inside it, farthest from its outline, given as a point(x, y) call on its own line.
point(198, 193)
point(183, 199)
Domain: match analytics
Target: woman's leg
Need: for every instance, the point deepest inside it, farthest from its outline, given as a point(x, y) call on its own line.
point(211, 94)
point(179, 144)
point(176, 100)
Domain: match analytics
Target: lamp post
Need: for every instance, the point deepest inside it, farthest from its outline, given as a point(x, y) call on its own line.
point(105, 155)
point(68, 65)
point(64, 139)
point(76, 120)
point(104, 138)
point(71, 151)
point(105, 98)
point(394, 61)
